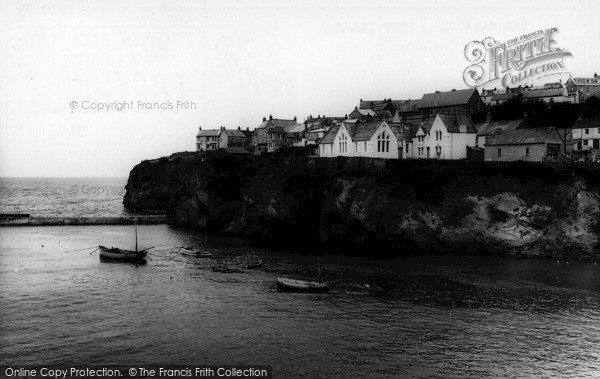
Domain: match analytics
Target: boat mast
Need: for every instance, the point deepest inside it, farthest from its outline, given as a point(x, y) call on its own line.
point(319, 268)
point(135, 220)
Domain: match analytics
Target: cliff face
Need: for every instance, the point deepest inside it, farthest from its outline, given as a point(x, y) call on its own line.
point(406, 207)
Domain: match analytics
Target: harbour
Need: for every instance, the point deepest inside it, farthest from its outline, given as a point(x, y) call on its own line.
point(445, 316)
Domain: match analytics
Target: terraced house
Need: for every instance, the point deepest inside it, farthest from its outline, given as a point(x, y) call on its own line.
point(274, 133)
point(213, 139)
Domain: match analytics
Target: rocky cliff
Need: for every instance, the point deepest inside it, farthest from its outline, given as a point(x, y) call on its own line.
point(404, 207)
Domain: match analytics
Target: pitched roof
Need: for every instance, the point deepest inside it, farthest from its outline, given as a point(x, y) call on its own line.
point(424, 124)
point(446, 99)
point(486, 128)
point(453, 122)
point(503, 96)
point(406, 106)
point(524, 136)
point(330, 135)
point(366, 112)
point(234, 133)
point(363, 131)
point(401, 131)
point(584, 123)
point(277, 123)
point(543, 92)
point(209, 133)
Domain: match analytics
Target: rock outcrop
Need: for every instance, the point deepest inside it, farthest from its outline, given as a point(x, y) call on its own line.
point(407, 207)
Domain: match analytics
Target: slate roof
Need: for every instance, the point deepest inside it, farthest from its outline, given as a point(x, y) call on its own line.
point(407, 106)
point(401, 131)
point(330, 135)
point(453, 122)
point(446, 99)
point(524, 137)
point(209, 133)
point(503, 96)
point(486, 128)
point(277, 123)
point(363, 131)
point(234, 133)
point(543, 92)
point(367, 112)
point(425, 124)
point(585, 123)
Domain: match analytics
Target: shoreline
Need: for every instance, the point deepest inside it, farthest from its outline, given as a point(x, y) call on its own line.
point(83, 220)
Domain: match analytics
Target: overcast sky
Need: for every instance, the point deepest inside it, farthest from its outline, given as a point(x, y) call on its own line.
point(237, 62)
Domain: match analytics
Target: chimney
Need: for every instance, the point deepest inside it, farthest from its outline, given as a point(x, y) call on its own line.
point(355, 108)
point(453, 90)
point(318, 116)
point(247, 128)
point(295, 119)
point(200, 128)
point(264, 119)
point(346, 115)
point(270, 117)
point(239, 127)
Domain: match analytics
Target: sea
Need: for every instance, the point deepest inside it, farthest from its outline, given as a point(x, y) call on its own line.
point(441, 317)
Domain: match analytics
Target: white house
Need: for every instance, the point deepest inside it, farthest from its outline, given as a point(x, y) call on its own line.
point(446, 138)
point(368, 139)
point(586, 134)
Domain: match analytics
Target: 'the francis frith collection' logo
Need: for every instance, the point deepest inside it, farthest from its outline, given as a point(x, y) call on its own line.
point(520, 60)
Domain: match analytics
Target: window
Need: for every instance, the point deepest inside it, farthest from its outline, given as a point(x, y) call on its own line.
point(406, 148)
point(383, 142)
point(587, 131)
point(438, 150)
point(527, 151)
point(343, 144)
point(585, 142)
point(499, 152)
point(365, 147)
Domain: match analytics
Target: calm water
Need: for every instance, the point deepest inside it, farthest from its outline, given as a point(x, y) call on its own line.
point(67, 197)
point(448, 317)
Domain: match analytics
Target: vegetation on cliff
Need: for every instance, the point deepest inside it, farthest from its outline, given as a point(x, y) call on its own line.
point(404, 206)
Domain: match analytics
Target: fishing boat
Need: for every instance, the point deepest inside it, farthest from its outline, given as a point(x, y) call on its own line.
point(121, 254)
point(195, 252)
point(114, 253)
point(301, 285)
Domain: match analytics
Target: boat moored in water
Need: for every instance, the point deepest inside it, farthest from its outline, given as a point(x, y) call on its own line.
point(301, 285)
point(121, 254)
point(195, 252)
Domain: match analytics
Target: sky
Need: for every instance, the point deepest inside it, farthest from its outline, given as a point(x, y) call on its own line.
point(90, 89)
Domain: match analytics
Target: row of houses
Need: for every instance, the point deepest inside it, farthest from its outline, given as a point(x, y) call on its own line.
point(437, 126)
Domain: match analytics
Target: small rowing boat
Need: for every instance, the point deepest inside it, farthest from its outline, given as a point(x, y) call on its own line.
point(301, 285)
point(195, 252)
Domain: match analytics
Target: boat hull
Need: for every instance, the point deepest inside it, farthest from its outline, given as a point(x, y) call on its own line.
point(195, 253)
point(301, 285)
point(121, 255)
